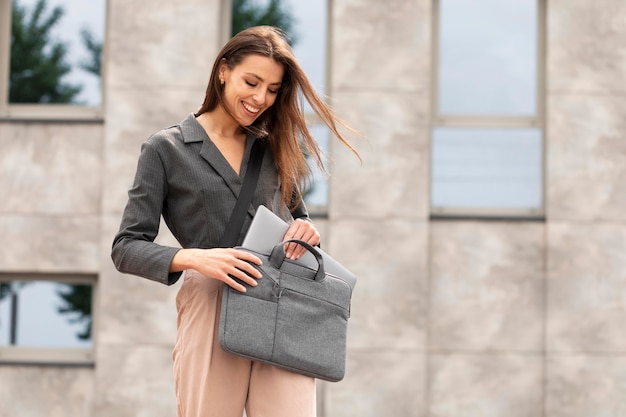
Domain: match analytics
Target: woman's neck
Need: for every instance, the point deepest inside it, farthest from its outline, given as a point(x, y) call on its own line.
point(218, 122)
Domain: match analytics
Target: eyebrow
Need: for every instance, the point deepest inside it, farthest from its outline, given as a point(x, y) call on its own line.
point(261, 79)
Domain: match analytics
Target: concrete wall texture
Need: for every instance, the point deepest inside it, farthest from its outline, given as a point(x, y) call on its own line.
point(451, 318)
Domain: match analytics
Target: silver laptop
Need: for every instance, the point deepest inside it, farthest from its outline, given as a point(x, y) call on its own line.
point(267, 230)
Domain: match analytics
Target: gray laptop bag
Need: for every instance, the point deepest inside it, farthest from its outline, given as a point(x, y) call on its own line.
point(295, 318)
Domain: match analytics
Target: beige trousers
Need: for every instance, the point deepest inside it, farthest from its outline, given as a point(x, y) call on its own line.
point(213, 383)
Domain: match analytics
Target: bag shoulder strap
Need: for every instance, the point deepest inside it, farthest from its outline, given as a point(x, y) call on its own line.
point(235, 223)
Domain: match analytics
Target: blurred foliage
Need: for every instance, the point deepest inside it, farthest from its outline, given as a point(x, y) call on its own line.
point(5, 290)
point(92, 65)
point(38, 62)
point(248, 13)
point(77, 302)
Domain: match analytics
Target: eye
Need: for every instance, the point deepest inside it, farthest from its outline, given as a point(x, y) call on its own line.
point(250, 84)
point(273, 91)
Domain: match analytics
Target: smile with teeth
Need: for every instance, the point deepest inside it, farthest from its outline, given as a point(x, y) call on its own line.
point(250, 108)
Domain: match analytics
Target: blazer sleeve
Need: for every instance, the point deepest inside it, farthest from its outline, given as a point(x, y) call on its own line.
point(134, 251)
point(300, 211)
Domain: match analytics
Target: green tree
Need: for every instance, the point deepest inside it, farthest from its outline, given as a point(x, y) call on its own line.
point(246, 13)
point(5, 289)
point(77, 301)
point(38, 62)
point(92, 65)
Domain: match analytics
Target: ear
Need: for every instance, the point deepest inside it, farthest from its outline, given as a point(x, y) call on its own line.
point(223, 69)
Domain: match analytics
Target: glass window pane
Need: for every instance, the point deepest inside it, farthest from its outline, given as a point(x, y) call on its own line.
point(310, 40)
point(60, 62)
point(310, 18)
point(487, 168)
point(45, 314)
point(488, 57)
point(317, 193)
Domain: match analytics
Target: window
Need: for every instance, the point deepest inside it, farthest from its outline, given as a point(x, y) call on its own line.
point(308, 26)
point(51, 64)
point(46, 319)
point(311, 22)
point(487, 136)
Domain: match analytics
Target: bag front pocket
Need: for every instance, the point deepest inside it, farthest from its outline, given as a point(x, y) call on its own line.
point(249, 328)
point(311, 335)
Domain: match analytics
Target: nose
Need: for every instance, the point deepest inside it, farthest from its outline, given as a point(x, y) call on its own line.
point(259, 97)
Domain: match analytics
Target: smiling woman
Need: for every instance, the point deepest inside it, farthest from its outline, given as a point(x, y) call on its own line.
point(251, 111)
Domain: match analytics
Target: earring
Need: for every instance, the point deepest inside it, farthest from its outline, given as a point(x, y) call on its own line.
point(221, 81)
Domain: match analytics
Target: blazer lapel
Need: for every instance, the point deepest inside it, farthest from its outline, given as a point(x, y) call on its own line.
point(193, 132)
point(213, 156)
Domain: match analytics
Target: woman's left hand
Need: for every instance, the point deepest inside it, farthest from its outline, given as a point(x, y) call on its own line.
point(301, 230)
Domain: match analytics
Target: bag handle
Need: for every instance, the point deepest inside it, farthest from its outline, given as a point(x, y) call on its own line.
point(278, 255)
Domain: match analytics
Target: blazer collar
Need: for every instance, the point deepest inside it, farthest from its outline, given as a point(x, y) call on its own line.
point(192, 131)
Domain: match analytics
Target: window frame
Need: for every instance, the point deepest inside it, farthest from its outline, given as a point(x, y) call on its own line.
point(42, 112)
point(53, 356)
point(491, 121)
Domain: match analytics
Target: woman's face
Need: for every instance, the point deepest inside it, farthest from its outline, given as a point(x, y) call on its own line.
point(251, 87)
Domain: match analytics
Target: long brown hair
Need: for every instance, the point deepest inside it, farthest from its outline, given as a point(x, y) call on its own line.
point(284, 122)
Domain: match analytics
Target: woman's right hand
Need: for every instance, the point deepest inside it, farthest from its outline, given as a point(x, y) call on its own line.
point(220, 263)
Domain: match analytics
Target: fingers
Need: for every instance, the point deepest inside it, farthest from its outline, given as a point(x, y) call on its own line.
point(235, 268)
point(242, 268)
point(301, 230)
point(247, 276)
point(234, 284)
point(246, 256)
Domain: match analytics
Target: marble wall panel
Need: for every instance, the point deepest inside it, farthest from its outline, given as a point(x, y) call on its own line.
point(134, 310)
point(586, 49)
point(132, 116)
point(486, 285)
point(586, 158)
point(389, 259)
point(50, 168)
point(35, 391)
point(49, 244)
point(586, 294)
point(393, 179)
point(134, 381)
point(485, 385)
point(381, 45)
point(379, 383)
point(161, 42)
point(585, 386)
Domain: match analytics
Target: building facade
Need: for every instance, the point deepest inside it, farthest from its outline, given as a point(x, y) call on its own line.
point(455, 314)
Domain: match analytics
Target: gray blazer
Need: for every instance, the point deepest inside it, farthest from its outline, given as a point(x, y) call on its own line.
point(182, 176)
